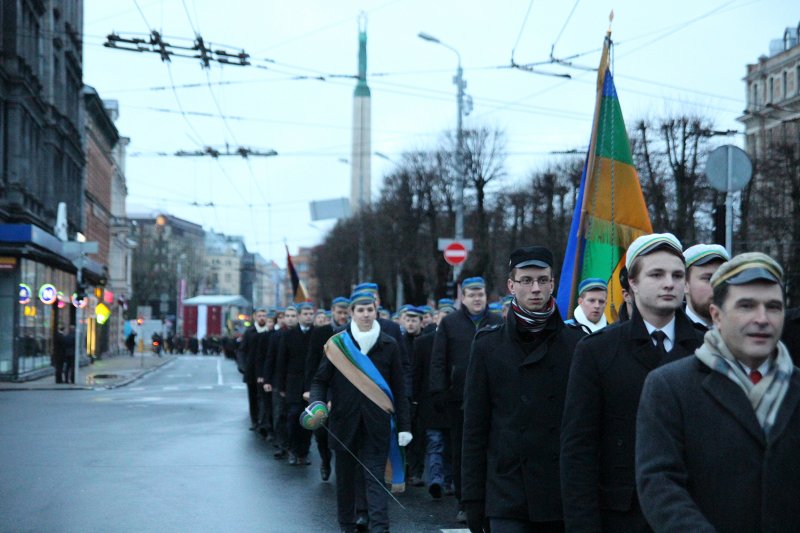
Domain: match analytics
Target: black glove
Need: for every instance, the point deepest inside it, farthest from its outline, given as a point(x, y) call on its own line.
point(475, 514)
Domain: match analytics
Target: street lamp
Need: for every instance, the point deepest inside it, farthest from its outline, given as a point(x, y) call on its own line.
point(460, 84)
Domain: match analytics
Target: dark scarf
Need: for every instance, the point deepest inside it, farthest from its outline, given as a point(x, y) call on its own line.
point(532, 321)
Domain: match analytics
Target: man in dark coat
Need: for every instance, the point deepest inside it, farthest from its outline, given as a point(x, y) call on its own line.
point(265, 426)
point(718, 434)
point(285, 320)
point(360, 425)
point(248, 356)
point(449, 360)
point(791, 334)
point(59, 353)
point(415, 452)
point(290, 381)
point(513, 400)
point(340, 313)
point(606, 379)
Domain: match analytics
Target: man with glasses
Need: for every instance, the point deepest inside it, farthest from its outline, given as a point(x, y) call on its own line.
point(449, 359)
point(605, 382)
point(513, 400)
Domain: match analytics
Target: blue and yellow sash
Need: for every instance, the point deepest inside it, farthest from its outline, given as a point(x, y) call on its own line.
point(359, 370)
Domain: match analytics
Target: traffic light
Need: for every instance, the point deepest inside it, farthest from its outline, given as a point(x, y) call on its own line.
point(451, 289)
point(80, 292)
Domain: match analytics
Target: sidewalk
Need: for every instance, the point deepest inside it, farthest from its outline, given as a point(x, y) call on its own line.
point(108, 373)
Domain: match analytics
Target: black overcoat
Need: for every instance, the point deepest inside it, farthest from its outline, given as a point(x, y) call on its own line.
point(512, 416)
point(791, 333)
point(249, 353)
point(290, 366)
point(351, 411)
point(432, 415)
point(451, 348)
point(702, 461)
point(599, 427)
point(316, 351)
point(273, 344)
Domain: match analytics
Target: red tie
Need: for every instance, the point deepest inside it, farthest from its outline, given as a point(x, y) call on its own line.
point(755, 377)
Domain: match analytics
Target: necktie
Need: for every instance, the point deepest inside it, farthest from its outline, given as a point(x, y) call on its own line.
point(659, 337)
point(755, 377)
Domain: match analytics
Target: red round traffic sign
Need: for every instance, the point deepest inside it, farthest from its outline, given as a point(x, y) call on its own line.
point(455, 253)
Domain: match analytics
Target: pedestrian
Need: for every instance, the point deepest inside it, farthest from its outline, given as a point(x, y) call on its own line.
point(68, 349)
point(340, 315)
point(513, 400)
point(718, 434)
point(415, 452)
point(130, 342)
point(248, 355)
point(264, 397)
point(286, 320)
point(608, 371)
point(59, 354)
point(702, 260)
point(362, 378)
point(626, 310)
point(289, 381)
point(592, 297)
point(451, 348)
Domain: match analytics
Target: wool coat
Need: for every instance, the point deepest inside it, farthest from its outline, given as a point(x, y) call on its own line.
point(599, 426)
point(250, 353)
point(512, 416)
point(451, 348)
point(703, 463)
point(431, 412)
point(791, 333)
point(352, 412)
point(290, 367)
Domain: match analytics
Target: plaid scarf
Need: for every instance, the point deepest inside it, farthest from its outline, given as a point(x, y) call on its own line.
point(532, 321)
point(767, 396)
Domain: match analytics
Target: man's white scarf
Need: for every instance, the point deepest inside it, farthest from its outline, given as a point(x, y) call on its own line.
point(260, 329)
point(581, 318)
point(366, 339)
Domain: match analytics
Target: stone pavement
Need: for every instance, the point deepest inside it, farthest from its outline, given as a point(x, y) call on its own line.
point(107, 373)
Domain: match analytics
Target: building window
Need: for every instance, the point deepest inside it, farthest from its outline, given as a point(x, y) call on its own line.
point(754, 96)
point(784, 84)
point(797, 79)
point(771, 91)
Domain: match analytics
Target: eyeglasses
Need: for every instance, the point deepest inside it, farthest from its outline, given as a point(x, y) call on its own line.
point(527, 282)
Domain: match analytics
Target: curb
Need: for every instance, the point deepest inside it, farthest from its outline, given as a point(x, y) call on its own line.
point(136, 377)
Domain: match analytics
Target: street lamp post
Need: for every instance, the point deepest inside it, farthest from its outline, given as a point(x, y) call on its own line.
point(460, 84)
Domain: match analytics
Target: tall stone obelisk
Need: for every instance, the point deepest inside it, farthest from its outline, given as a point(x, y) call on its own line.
point(360, 182)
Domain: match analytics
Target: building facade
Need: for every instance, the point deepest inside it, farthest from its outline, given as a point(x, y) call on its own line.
point(772, 139)
point(224, 261)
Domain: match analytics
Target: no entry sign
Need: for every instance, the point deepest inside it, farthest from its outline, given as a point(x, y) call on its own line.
point(455, 253)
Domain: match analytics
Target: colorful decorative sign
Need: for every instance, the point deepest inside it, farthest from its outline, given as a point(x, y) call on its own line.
point(102, 313)
point(48, 294)
point(62, 300)
point(79, 304)
point(24, 294)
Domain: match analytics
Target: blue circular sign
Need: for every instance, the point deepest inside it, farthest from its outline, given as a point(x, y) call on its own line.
point(24, 294)
point(48, 294)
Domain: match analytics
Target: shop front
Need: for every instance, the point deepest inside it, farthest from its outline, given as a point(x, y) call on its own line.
point(38, 294)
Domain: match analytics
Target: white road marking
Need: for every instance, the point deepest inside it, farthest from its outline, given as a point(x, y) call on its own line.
point(238, 387)
point(454, 530)
point(205, 387)
point(219, 371)
point(171, 387)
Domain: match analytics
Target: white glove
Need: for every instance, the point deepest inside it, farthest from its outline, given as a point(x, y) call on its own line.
point(403, 438)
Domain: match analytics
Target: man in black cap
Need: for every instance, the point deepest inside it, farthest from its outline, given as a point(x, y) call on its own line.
point(513, 400)
point(252, 343)
point(451, 347)
point(598, 433)
point(718, 434)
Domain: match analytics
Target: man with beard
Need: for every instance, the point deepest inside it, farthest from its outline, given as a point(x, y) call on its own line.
point(451, 348)
point(249, 354)
point(718, 446)
point(290, 371)
point(340, 314)
point(609, 367)
point(513, 399)
point(702, 260)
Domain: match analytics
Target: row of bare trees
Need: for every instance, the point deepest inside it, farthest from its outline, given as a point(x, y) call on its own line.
point(416, 207)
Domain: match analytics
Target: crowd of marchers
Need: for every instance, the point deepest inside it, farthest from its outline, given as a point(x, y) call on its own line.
point(683, 415)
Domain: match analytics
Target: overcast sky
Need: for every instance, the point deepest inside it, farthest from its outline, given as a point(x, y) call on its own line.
point(670, 57)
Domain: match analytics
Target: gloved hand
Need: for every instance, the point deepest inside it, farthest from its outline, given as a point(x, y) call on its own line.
point(475, 511)
point(403, 438)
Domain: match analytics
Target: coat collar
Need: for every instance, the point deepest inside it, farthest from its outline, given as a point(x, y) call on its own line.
point(553, 326)
point(645, 352)
point(731, 398)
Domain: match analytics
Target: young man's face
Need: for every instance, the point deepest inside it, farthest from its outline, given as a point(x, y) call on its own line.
point(532, 286)
point(340, 315)
point(427, 319)
point(261, 318)
point(659, 284)
point(364, 315)
point(412, 324)
point(698, 288)
point(290, 318)
point(320, 319)
point(750, 321)
point(306, 316)
point(593, 304)
point(474, 300)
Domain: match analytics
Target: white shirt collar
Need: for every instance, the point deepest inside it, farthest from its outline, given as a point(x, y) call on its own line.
point(694, 317)
point(669, 331)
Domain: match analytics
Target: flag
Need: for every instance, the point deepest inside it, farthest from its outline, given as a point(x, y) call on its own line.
point(299, 292)
point(610, 211)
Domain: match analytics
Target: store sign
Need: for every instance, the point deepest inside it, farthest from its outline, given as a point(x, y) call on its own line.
point(48, 294)
point(25, 293)
point(8, 263)
point(102, 313)
point(29, 310)
point(79, 304)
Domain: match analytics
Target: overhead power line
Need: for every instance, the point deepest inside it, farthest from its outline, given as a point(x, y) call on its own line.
point(156, 44)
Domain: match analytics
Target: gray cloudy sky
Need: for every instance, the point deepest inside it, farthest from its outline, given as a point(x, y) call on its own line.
point(673, 56)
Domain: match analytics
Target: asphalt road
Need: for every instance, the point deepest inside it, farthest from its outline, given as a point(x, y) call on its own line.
point(170, 452)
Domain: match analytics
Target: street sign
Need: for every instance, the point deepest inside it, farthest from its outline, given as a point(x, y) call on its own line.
point(455, 253)
point(728, 168)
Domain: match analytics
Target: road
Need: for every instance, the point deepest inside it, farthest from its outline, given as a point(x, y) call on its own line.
point(170, 452)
